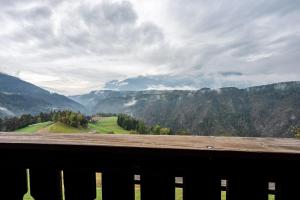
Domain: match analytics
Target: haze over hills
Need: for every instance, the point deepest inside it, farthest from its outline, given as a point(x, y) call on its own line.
point(151, 59)
point(269, 110)
point(19, 97)
point(179, 82)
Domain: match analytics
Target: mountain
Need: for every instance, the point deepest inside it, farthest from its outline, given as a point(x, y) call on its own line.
point(179, 82)
point(19, 97)
point(269, 110)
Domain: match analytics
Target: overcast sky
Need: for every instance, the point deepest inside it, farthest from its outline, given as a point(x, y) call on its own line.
point(76, 46)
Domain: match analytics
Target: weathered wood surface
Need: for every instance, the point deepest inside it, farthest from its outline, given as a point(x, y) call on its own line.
point(264, 145)
point(202, 162)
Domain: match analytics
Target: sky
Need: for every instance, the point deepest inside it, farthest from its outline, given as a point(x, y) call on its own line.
point(75, 46)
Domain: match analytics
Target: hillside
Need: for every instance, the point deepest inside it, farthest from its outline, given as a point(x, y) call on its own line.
point(107, 125)
point(103, 125)
point(269, 111)
point(19, 97)
point(34, 128)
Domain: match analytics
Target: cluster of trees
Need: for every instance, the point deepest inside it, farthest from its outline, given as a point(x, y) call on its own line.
point(14, 123)
point(129, 123)
point(74, 119)
point(295, 131)
point(67, 117)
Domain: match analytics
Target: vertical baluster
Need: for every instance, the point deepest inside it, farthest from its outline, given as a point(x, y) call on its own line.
point(45, 184)
point(247, 187)
point(13, 184)
point(117, 185)
point(204, 186)
point(80, 184)
point(287, 187)
point(158, 186)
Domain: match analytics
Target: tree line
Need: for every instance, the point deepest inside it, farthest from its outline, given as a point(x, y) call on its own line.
point(74, 119)
point(131, 124)
point(14, 123)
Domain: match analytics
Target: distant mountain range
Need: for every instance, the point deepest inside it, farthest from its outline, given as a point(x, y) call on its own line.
point(269, 110)
point(179, 82)
point(19, 97)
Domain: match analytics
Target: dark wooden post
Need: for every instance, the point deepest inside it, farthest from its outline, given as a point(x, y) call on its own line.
point(13, 183)
point(201, 186)
point(158, 186)
point(80, 184)
point(45, 184)
point(288, 187)
point(247, 186)
point(117, 185)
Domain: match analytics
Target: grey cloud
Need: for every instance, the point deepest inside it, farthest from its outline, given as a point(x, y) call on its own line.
point(107, 28)
point(38, 13)
point(30, 14)
point(149, 34)
point(109, 13)
point(224, 16)
point(111, 29)
point(250, 38)
point(250, 29)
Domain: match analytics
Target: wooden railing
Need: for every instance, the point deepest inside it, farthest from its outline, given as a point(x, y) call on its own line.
point(247, 166)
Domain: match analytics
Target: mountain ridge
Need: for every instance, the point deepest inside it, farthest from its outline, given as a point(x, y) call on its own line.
point(20, 97)
point(267, 110)
point(178, 82)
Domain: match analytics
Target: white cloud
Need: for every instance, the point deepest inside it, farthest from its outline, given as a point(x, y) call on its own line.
point(76, 46)
point(163, 87)
point(130, 103)
point(6, 111)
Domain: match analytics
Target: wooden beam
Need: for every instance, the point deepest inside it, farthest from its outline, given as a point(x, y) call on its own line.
point(200, 143)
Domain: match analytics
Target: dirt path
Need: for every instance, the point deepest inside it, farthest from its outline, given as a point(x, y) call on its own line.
point(45, 129)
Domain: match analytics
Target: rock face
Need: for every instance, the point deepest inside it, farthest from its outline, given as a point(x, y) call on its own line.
point(269, 111)
point(19, 97)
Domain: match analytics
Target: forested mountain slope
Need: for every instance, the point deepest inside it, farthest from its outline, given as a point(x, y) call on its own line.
point(20, 97)
point(270, 110)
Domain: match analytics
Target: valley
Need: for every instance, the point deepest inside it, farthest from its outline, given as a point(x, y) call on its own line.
point(261, 111)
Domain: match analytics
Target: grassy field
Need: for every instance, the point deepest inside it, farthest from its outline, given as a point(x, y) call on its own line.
point(137, 194)
point(102, 125)
point(138, 197)
point(107, 125)
point(35, 127)
point(63, 128)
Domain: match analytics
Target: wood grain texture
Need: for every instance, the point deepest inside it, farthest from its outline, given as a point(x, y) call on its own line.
point(158, 159)
point(268, 145)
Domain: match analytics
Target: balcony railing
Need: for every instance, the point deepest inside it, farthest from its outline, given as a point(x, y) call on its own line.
point(245, 166)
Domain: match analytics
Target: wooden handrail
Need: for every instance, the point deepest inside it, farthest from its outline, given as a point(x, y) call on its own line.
point(248, 165)
point(198, 143)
